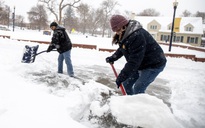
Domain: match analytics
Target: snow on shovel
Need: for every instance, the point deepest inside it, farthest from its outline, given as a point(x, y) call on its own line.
point(30, 53)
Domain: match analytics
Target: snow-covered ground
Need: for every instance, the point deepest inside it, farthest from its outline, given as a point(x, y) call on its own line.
point(34, 95)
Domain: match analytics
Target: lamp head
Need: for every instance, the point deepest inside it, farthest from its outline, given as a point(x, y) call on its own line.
point(175, 3)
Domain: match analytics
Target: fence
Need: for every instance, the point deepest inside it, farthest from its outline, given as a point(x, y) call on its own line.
point(86, 46)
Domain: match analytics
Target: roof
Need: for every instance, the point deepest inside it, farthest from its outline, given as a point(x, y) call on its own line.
point(166, 21)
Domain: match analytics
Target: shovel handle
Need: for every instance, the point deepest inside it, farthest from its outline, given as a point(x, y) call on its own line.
point(121, 85)
point(40, 52)
point(43, 52)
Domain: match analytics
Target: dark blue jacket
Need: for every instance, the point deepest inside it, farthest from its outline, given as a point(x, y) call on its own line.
point(61, 40)
point(140, 50)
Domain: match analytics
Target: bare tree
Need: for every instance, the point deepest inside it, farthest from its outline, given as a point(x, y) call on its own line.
point(149, 12)
point(83, 11)
point(19, 21)
point(200, 14)
point(1, 5)
point(107, 7)
point(38, 17)
point(4, 13)
point(186, 13)
point(95, 18)
point(56, 7)
point(70, 20)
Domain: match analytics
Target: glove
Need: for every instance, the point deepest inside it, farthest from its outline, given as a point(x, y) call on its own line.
point(110, 60)
point(49, 49)
point(118, 82)
point(121, 78)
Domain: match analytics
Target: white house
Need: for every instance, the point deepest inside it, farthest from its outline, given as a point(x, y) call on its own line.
point(187, 30)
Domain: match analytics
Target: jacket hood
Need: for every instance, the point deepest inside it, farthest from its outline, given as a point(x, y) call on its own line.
point(60, 28)
point(132, 26)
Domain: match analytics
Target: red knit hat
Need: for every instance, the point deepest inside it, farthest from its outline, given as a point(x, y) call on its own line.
point(117, 22)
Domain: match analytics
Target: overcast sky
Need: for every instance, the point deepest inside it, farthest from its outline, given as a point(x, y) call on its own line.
point(165, 7)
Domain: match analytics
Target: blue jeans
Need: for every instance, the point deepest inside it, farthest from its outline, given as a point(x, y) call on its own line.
point(66, 56)
point(140, 80)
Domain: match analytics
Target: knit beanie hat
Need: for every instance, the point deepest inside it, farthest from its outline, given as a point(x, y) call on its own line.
point(117, 22)
point(53, 24)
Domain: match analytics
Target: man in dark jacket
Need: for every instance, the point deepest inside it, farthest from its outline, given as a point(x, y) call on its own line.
point(62, 43)
point(145, 58)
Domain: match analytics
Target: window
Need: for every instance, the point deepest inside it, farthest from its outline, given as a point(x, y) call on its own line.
point(193, 40)
point(188, 39)
point(182, 38)
point(188, 29)
point(196, 40)
point(178, 39)
point(161, 37)
point(165, 38)
point(154, 27)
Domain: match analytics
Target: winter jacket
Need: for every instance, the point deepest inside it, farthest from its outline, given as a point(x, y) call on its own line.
point(61, 40)
point(140, 50)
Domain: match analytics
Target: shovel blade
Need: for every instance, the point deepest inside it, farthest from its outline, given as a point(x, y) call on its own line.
point(29, 54)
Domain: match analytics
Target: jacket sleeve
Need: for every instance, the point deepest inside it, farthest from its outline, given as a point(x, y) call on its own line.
point(118, 54)
point(136, 51)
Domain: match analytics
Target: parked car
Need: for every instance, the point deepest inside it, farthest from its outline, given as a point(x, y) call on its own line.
point(4, 28)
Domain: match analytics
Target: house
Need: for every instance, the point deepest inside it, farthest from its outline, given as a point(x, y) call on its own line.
point(188, 30)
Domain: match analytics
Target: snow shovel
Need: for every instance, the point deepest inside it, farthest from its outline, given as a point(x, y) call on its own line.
point(121, 85)
point(30, 53)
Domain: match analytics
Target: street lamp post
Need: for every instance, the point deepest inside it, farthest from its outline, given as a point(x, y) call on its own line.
point(13, 17)
point(175, 7)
